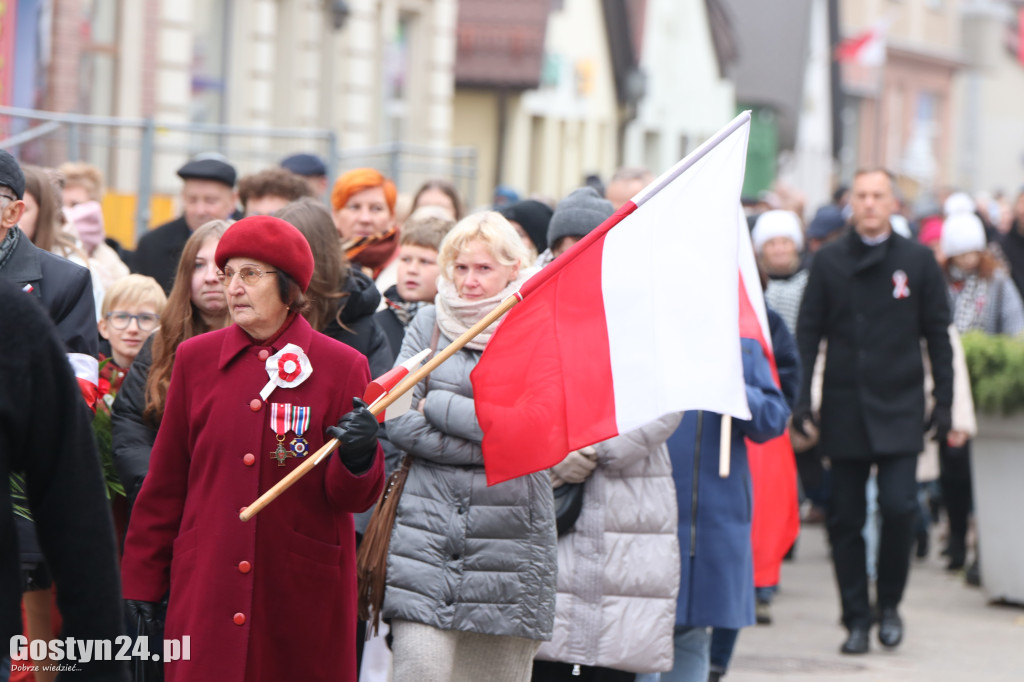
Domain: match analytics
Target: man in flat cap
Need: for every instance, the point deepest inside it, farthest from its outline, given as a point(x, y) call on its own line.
point(312, 169)
point(208, 194)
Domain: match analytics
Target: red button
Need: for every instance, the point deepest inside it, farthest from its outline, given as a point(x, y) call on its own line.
point(264, 354)
point(255, 404)
point(239, 619)
point(244, 567)
point(249, 459)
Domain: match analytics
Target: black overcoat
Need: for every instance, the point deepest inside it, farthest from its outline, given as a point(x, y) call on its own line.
point(873, 304)
point(160, 249)
point(45, 434)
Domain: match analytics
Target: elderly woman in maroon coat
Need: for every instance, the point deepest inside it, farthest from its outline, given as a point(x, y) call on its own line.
point(274, 598)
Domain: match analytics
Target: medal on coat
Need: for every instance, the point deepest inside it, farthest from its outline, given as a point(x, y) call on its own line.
point(280, 424)
point(899, 285)
point(287, 368)
point(300, 422)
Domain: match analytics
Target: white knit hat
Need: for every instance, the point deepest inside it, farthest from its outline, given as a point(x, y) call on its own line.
point(958, 202)
point(771, 224)
point(962, 233)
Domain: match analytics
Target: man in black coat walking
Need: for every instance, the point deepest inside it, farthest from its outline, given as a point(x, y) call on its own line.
point(873, 296)
point(207, 194)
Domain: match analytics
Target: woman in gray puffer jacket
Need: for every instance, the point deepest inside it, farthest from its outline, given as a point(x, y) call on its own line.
point(471, 569)
point(619, 566)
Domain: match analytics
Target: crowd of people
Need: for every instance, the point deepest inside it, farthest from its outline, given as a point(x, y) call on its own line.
point(237, 339)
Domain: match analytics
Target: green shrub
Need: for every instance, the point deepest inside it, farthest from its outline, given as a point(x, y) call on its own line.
point(996, 366)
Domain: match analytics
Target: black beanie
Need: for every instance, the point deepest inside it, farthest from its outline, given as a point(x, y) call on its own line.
point(533, 216)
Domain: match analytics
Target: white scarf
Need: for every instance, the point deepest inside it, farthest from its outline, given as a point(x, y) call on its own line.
point(456, 315)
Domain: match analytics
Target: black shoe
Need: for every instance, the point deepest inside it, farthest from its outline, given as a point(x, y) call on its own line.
point(890, 628)
point(957, 551)
point(922, 544)
point(856, 642)
point(973, 576)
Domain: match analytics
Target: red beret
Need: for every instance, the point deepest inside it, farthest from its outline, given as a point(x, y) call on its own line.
point(271, 240)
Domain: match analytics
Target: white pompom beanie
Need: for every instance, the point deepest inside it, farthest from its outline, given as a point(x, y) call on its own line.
point(778, 223)
point(962, 233)
point(958, 202)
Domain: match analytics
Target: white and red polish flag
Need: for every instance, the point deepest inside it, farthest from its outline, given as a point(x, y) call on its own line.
point(637, 320)
point(775, 521)
point(867, 48)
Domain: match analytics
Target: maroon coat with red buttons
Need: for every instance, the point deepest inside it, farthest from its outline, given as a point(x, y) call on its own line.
point(274, 598)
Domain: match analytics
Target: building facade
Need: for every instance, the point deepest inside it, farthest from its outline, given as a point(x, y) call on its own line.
point(372, 73)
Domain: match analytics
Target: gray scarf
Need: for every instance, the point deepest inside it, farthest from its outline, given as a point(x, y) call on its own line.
point(7, 246)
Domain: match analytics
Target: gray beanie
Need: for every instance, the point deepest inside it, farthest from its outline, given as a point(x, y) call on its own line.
point(578, 214)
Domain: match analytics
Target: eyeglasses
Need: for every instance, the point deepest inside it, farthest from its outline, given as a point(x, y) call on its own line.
point(8, 197)
point(250, 275)
point(119, 319)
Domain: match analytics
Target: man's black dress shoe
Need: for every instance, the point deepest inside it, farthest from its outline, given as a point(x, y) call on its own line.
point(856, 642)
point(890, 628)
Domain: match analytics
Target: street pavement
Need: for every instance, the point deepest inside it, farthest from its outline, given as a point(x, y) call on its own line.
point(951, 631)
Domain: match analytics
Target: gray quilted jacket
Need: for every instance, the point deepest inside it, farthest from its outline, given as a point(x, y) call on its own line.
point(465, 556)
point(618, 570)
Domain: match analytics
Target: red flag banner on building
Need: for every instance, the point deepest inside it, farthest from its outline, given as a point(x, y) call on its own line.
point(639, 319)
point(866, 49)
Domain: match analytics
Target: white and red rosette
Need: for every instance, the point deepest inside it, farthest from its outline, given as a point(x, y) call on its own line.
point(287, 368)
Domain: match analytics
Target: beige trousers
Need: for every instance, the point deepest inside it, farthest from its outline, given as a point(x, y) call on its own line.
point(423, 653)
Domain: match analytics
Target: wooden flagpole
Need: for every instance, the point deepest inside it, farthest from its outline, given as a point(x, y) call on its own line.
point(380, 405)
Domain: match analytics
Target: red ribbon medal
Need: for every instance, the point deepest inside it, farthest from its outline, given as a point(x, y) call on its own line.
point(280, 423)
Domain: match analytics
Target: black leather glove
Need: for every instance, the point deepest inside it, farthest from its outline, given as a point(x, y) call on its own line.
point(357, 433)
point(802, 414)
point(942, 421)
point(147, 617)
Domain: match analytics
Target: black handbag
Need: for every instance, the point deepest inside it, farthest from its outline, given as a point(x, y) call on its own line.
point(568, 503)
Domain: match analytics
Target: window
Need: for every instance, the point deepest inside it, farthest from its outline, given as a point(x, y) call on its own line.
point(210, 46)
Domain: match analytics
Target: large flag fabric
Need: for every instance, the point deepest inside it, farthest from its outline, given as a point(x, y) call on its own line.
point(639, 319)
point(775, 522)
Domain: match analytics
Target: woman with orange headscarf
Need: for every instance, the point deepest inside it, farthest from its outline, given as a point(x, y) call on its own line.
point(363, 209)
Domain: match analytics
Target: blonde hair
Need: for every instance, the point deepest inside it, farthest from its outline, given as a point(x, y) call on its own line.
point(134, 291)
point(502, 240)
point(426, 227)
point(80, 174)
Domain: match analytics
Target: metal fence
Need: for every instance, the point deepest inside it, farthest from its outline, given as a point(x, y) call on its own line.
point(139, 156)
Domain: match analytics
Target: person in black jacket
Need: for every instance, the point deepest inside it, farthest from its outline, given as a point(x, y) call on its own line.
point(207, 194)
point(45, 434)
point(65, 291)
point(1013, 243)
point(874, 295)
point(342, 299)
point(196, 305)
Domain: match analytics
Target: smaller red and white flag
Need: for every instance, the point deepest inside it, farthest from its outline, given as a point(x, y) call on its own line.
point(87, 372)
point(385, 383)
point(866, 49)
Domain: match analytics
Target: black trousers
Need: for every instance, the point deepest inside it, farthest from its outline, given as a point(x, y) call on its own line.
point(897, 503)
point(955, 479)
point(549, 671)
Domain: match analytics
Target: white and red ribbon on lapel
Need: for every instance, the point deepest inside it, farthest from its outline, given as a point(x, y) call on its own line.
point(900, 285)
point(287, 368)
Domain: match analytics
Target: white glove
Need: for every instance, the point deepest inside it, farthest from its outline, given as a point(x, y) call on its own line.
point(576, 466)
